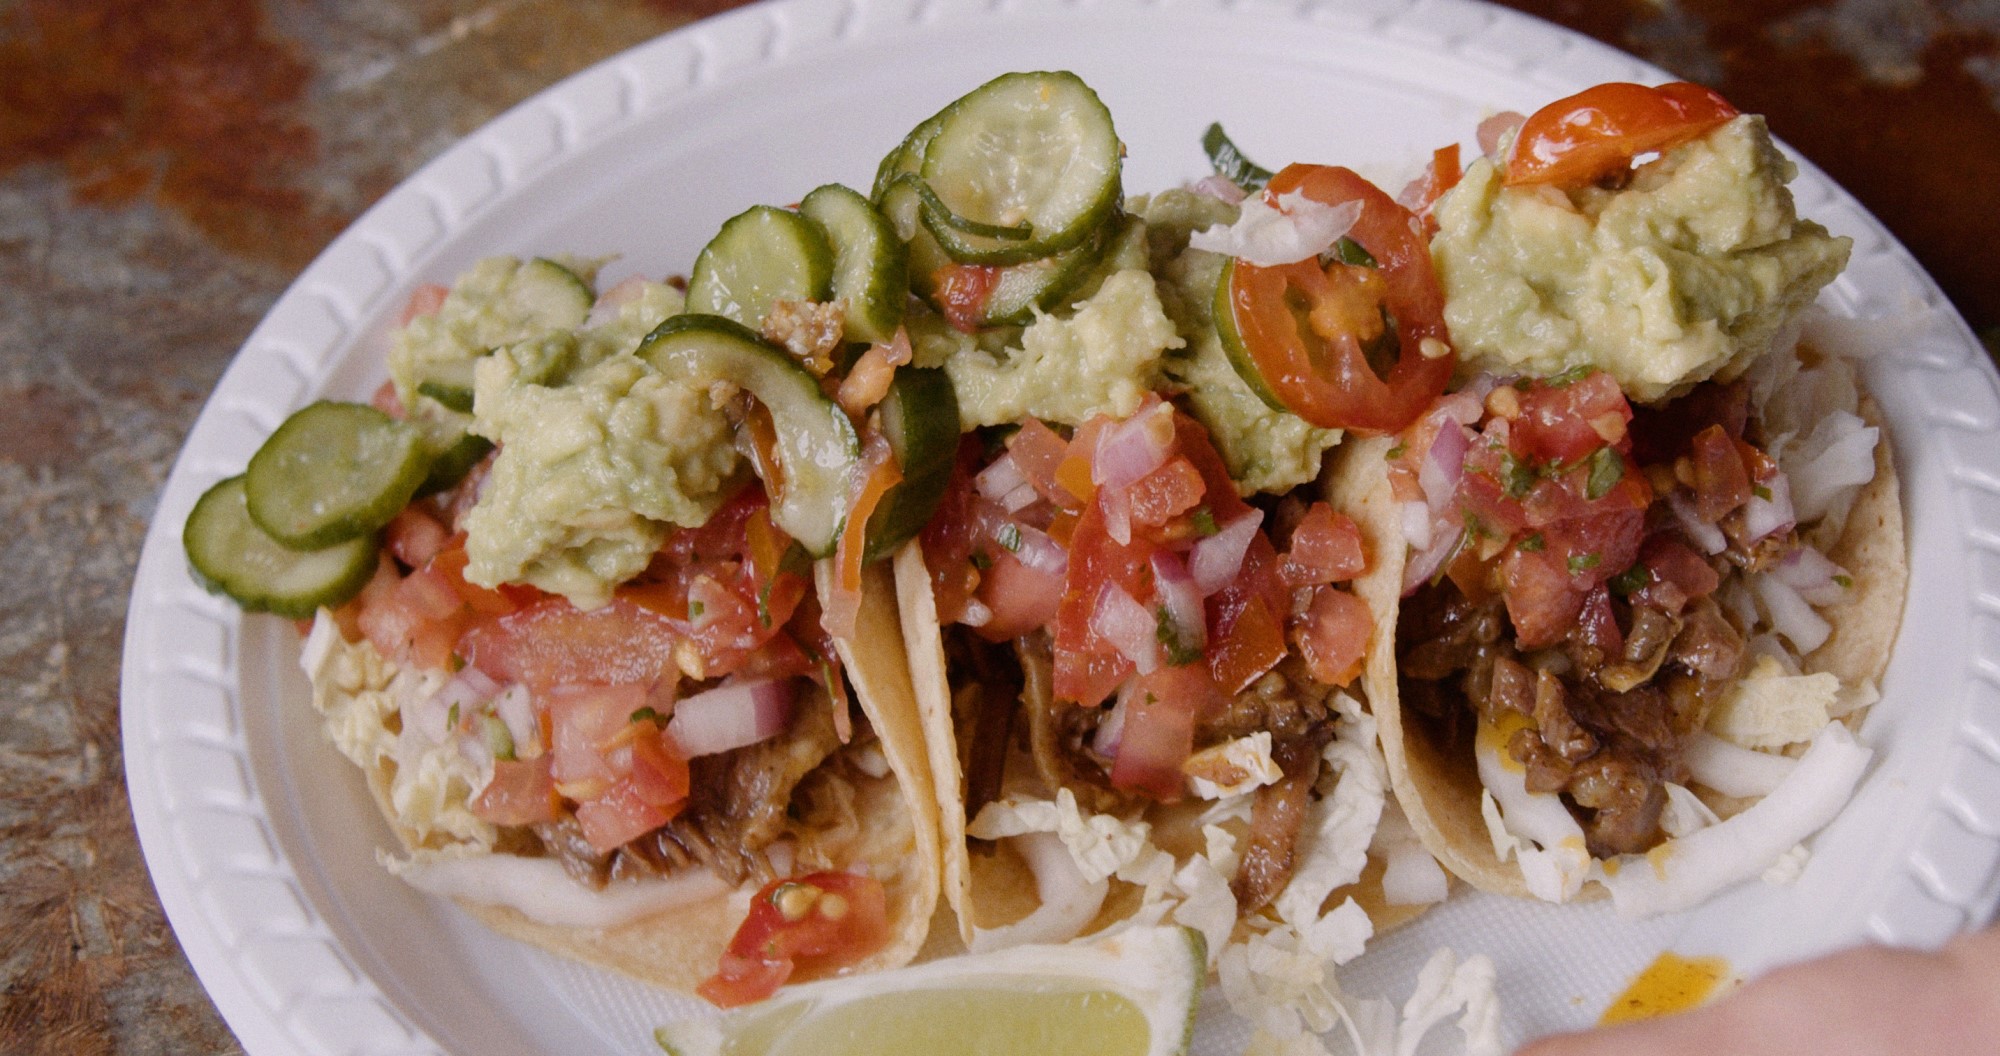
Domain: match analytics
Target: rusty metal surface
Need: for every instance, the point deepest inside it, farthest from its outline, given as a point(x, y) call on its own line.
point(166, 168)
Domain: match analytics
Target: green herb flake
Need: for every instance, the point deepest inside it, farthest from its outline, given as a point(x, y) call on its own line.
point(981, 560)
point(1229, 162)
point(1629, 581)
point(1517, 476)
point(451, 718)
point(1607, 468)
point(1846, 581)
point(1533, 544)
point(1009, 537)
point(1348, 251)
point(1180, 651)
point(1581, 563)
point(1569, 377)
point(1203, 520)
point(1402, 448)
point(1761, 492)
point(695, 609)
point(649, 714)
point(498, 739)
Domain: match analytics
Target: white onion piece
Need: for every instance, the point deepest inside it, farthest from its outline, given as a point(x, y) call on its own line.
point(467, 691)
point(731, 716)
point(1117, 507)
point(1732, 769)
point(1181, 598)
point(1020, 498)
point(1705, 536)
point(1000, 479)
point(1214, 561)
point(1039, 552)
point(1119, 619)
point(1764, 517)
point(1068, 901)
point(976, 613)
point(1416, 517)
point(1296, 229)
point(517, 710)
point(542, 891)
point(1811, 573)
point(1790, 615)
point(1685, 872)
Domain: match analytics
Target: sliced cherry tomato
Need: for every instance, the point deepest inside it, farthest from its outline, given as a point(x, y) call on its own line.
point(816, 923)
point(1596, 133)
point(1299, 325)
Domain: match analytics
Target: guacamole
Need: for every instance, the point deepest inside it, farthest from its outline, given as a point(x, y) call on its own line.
point(1690, 271)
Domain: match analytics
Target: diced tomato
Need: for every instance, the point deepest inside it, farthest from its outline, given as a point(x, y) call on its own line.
point(1596, 133)
point(1675, 575)
point(415, 536)
point(1320, 370)
point(587, 725)
point(1720, 482)
point(552, 643)
point(1246, 638)
point(409, 622)
point(1333, 635)
point(619, 816)
point(424, 300)
point(1173, 489)
point(522, 792)
point(429, 593)
point(962, 291)
point(1039, 450)
point(1088, 668)
point(1540, 601)
point(1158, 736)
point(1326, 547)
point(450, 563)
point(816, 924)
point(1021, 599)
point(659, 770)
point(1566, 421)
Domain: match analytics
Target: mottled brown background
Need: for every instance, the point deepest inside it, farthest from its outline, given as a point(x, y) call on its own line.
point(167, 166)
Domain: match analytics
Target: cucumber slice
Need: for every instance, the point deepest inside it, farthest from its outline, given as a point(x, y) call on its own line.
point(870, 264)
point(920, 421)
point(1034, 148)
point(230, 555)
point(1224, 311)
point(451, 394)
point(817, 447)
point(761, 256)
point(449, 466)
point(908, 157)
point(1019, 290)
point(333, 471)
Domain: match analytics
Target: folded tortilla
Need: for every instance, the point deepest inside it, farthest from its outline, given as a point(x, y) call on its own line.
point(994, 889)
point(1438, 783)
point(888, 831)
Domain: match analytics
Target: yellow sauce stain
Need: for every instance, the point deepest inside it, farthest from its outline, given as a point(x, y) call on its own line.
point(1493, 737)
point(1670, 984)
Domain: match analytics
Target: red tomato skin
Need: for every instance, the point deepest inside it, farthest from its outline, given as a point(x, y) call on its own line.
point(659, 771)
point(1333, 635)
point(1173, 489)
point(768, 949)
point(1335, 387)
point(1583, 138)
point(619, 816)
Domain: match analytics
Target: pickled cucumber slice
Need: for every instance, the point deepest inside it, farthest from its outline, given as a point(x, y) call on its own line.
point(230, 555)
point(920, 421)
point(870, 264)
point(333, 471)
point(761, 256)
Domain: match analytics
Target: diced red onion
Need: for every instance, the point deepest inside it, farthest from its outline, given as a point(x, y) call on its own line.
point(1112, 729)
point(1218, 187)
point(467, 691)
point(1181, 598)
point(1119, 619)
point(1843, 457)
point(1706, 537)
point(1811, 573)
point(517, 710)
point(1133, 448)
point(1424, 565)
point(1763, 517)
point(1037, 551)
point(1215, 561)
point(1117, 507)
point(1000, 479)
point(731, 716)
point(1790, 615)
point(1443, 465)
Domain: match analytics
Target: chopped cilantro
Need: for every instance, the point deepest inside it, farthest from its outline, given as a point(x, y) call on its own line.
point(1348, 251)
point(1569, 377)
point(981, 560)
point(649, 714)
point(1402, 447)
point(1846, 581)
point(1632, 579)
point(1475, 526)
point(1517, 476)
point(1180, 651)
point(1607, 468)
point(1203, 520)
point(1532, 544)
point(1009, 537)
point(695, 609)
point(1761, 492)
point(1581, 563)
point(451, 717)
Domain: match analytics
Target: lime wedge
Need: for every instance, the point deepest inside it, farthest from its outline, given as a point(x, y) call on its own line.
point(1128, 994)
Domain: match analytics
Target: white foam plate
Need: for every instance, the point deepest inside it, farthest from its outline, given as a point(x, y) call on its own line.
point(262, 840)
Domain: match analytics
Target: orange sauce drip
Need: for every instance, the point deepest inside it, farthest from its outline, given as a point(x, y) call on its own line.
point(1670, 984)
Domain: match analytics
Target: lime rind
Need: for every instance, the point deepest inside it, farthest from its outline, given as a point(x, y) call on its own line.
point(1158, 969)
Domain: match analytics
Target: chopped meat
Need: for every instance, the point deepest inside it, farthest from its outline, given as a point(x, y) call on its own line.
point(1707, 643)
point(1511, 687)
point(809, 330)
point(1287, 701)
point(1559, 729)
point(1059, 732)
point(1624, 801)
point(991, 697)
point(562, 839)
point(1276, 814)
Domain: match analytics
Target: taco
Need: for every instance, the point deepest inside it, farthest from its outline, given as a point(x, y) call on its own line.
point(618, 688)
point(1655, 562)
point(1143, 631)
